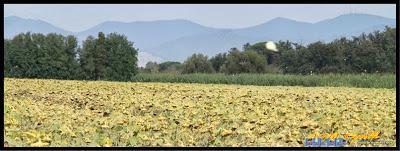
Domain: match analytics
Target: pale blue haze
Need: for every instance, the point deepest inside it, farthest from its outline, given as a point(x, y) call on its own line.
point(173, 32)
point(79, 17)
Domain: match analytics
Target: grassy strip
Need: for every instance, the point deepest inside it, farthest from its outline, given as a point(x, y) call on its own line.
point(334, 80)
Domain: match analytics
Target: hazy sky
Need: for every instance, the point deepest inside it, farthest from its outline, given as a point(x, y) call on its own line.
point(78, 17)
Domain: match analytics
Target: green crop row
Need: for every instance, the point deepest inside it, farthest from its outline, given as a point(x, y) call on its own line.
point(335, 80)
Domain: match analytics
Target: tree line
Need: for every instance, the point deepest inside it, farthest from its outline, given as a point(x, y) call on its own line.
point(367, 53)
point(55, 56)
point(113, 57)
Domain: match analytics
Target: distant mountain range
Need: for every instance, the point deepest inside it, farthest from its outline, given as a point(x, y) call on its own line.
point(14, 25)
point(175, 40)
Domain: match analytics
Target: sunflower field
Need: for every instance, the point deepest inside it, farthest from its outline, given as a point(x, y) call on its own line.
point(47, 113)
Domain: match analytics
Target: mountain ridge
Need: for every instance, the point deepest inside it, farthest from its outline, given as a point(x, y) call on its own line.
point(168, 39)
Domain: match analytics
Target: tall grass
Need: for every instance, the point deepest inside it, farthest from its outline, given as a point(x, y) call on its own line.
point(334, 80)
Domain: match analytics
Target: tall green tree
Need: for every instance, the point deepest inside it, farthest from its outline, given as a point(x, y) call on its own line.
point(100, 57)
point(22, 56)
point(247, 61)
point(197, 63)
point(71, 48)
point(218, 61)
point(7, 61)
point(40, 56)
point(58, 56)
point(87, 58)
point(121, 62)
point(108, 58)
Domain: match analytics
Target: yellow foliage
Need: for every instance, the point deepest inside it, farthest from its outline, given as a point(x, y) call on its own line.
point(40, 144)
point(100, 113)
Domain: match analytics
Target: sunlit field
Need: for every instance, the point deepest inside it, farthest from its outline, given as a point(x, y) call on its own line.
point(98, 113)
